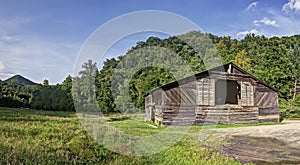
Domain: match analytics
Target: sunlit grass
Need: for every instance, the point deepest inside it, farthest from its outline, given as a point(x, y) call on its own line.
point(47, 137)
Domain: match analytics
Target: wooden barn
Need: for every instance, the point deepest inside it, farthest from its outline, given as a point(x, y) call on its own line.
point(226, 94)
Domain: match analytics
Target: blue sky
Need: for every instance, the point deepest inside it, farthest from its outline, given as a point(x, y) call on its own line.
point(41, 39)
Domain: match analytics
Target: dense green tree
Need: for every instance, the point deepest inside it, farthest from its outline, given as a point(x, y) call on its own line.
point(293, 44)
point(243, 61)
point(46, 82)
point(123, 82)
point(67, 84)
point(84, 87)
point(103, 86)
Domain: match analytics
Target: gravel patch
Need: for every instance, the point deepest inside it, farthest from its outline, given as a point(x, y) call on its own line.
point(268, 144)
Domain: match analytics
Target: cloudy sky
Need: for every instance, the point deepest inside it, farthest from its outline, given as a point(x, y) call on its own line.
point(41, 39)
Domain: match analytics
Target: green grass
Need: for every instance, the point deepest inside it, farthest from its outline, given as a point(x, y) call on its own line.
point(45, 137)
point(136, 127)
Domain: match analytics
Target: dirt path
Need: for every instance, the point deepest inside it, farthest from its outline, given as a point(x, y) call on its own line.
point(272, 144)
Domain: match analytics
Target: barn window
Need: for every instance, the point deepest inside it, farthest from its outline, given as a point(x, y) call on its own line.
point(227, 92)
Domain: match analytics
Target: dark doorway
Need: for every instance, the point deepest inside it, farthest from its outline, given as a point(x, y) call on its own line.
point(227, 92)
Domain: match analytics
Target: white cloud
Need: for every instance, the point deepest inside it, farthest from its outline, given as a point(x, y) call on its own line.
point(37, 59)
point(291, 6)
point(252, 6)
point(243, 33)
point(265, 21)
point(287, 25)
point(33, 56)
point(256, 23)
point(8, 38)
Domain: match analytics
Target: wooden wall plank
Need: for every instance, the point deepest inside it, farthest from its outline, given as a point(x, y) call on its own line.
point(195, 101)
point(247, 96)
point(205, 91)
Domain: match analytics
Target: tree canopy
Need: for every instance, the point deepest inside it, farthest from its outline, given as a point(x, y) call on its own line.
point(274, 60)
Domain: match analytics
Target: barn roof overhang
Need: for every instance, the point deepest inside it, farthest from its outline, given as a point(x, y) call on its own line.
point(219, 70)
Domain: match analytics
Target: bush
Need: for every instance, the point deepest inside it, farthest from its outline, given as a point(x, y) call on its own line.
point(289, 108)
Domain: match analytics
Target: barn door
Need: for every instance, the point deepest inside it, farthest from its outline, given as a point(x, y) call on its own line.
point(227, 92)
point(247, 94)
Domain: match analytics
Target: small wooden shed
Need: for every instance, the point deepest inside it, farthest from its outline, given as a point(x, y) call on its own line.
point(226, 94)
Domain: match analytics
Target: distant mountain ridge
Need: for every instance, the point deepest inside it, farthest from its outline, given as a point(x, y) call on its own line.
point(18, 80)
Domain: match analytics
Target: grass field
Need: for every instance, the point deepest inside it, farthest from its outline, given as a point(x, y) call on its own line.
point(45, 137)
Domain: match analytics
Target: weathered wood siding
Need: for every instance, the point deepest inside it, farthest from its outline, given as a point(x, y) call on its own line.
point(181, 95)
point(195, 102)
point(178, 115)
point(236, 71)
point(226, 114)
point(149, 108)
point(153, 106)
point(206, 91)
point(267, 102)
point(247, 95)
point(157, 97)
point(178, 105)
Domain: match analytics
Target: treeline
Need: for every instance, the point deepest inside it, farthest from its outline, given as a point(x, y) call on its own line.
point(274, 60)
point(17, 93)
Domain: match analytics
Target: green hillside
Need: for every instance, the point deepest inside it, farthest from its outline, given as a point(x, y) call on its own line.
point(274, 60)
point(18, 92)
point(18, 80)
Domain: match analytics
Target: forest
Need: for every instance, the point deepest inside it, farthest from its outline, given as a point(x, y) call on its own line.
point(275, 60)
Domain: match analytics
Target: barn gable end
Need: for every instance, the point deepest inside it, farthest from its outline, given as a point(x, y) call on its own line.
point(226, 93)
